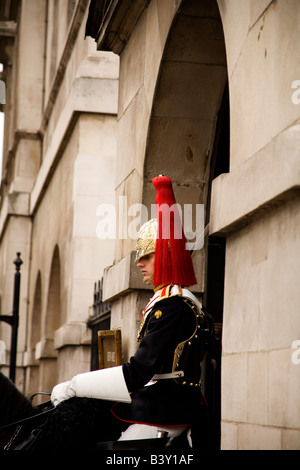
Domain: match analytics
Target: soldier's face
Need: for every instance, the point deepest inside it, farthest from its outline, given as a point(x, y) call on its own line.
point(146, 265)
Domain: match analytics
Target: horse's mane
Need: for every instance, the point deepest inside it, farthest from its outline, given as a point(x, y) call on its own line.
point(14, 405)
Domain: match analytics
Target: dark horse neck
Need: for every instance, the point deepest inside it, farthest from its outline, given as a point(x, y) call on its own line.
point(13, 403)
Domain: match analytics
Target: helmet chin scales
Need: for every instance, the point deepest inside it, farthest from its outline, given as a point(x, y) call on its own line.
point(149, 281)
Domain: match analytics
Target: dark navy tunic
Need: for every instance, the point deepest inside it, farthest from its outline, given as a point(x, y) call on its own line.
point(167, 402)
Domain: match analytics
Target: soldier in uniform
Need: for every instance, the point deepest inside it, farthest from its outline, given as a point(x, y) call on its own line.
point(159, 387)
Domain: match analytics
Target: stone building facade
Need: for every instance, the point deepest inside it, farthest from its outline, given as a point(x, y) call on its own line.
point(58, 163)
point(208, 95)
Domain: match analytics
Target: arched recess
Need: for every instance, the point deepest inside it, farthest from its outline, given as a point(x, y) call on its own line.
point(34, 336)
point(188, 140)
point(47, 354)
point(53, 311)
point(35, 326)
point(188, 97)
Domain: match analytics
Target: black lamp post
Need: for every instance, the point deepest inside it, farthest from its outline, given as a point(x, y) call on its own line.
point(13, 319)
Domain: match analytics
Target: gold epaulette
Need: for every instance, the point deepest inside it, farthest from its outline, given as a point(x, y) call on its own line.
point(166, 292)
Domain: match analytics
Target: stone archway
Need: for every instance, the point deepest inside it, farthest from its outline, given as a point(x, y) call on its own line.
point(34, 335)
point(35, 327)
point(45, 350)
point(189, 92)
point(53, 312)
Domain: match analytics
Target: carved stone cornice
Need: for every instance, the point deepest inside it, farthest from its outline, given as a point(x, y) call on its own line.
point(111, 22)
point(74, 28)
point(8, 28)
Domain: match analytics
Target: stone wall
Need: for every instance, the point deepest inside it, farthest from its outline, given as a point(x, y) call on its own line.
point(60, 168)
point(256, 206)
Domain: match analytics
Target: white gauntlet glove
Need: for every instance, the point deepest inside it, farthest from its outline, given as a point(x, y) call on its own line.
point(105, 384)
point(62, 392)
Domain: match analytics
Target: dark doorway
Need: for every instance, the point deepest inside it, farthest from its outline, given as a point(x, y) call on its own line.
point(215, 267)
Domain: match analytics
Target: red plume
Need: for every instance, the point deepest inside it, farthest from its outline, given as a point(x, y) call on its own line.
point(173, 262)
